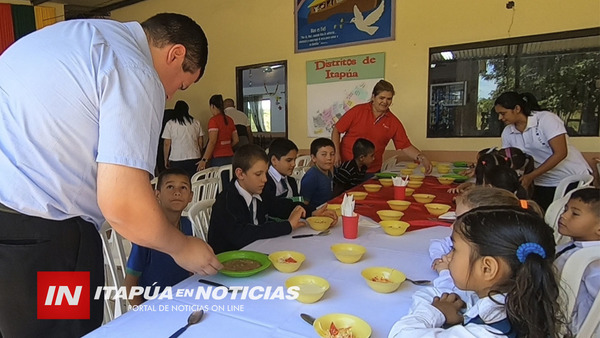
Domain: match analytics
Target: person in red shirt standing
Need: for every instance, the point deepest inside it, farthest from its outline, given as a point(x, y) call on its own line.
point(374, 121)
point(222, 136)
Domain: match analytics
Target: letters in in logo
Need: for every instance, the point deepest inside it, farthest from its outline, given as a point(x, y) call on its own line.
point(63, 295)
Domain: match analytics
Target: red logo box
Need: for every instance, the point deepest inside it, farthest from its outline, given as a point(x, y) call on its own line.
point(63, 295)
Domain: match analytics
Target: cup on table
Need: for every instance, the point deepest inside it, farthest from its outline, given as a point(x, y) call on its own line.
point(350, 226)
point(399, 193)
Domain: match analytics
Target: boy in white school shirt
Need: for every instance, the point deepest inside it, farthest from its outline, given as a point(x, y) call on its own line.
point(581, 221)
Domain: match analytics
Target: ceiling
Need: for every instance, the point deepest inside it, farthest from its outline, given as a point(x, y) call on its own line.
point(260, 77)
point(75, 9)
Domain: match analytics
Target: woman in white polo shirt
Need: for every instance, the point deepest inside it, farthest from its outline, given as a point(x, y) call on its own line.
point(184, 139)
point(542, 135)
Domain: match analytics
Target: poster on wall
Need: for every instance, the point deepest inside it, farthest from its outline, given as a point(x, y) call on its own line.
point(333, 23)
point(336, 85)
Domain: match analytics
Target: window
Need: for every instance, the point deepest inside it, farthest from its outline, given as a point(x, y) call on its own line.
point(561, 70)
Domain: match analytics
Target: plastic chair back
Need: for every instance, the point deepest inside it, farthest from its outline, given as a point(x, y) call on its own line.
point(115, 261)
point(303, 161)
point(571, 277)
point(582, 180)
point(389, 164)
point(200, 215)
point(224, 168)
point(206, 173)
point(205, 189)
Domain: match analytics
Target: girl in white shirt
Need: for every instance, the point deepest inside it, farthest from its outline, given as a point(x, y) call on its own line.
point(505, 256)
point(184, 140)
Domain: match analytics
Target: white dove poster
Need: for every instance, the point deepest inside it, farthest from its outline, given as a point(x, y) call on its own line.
point(336, 85)
point(334, 23)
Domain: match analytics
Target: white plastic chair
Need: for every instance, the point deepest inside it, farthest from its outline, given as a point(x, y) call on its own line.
point(298, 173)
point(200, 215)
point(389, 164)
point(206, 173)
point(552, 215)
point(303, 161)
point(582, 180)
point(221, 170)
point(571, 277)
point(154, 182)
point(205, 189)
point(115, 262)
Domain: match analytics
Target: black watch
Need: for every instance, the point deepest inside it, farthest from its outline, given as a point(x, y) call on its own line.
point(204, 160)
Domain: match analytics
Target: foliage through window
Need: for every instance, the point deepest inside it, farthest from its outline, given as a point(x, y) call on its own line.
point(561, 70)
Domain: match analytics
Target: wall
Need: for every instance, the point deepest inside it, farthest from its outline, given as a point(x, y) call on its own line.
point(242, 32)
point(60, 8)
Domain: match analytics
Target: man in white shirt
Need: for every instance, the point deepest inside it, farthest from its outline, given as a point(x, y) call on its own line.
point(242, 123)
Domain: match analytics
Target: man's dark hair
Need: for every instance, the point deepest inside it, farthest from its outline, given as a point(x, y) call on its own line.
point(246, 155)
point(280, 147)
point(362, 147)
point(169, 28)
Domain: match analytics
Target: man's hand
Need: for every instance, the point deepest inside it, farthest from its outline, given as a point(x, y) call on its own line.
point(198, 257)
point(295, 217)
point(450, 305)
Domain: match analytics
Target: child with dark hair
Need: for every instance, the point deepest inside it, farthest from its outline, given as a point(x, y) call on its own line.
point(581, 221)
point(519, 161)
point(317, 183)
point(240, 216)
point(147, 267)
point(505, 178)
point(504, 255)
point(353, 172)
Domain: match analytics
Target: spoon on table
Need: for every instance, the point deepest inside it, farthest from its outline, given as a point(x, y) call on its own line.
point(322, 233)
point(419, 282)
point(194, 318)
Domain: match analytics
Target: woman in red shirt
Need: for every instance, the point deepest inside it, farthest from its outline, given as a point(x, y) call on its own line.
point(375, 122)
point(222, 136)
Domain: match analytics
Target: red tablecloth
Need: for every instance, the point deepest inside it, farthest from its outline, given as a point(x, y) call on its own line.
point(416, 214)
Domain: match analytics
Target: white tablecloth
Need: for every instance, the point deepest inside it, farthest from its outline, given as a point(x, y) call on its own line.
point(348, 291)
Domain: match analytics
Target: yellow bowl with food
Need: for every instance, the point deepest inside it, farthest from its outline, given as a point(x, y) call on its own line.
point(386, 182)
point(443, 169)
point(418, 178)
point(319, 223)
point(310, 288)
point(372, 187)
point(394, 228)
point(412, 165)
point(409, 191)
point(415, 184)
point(382, 279)
point(341, 325)
point(358, 195)
point(398, 205)
point(405, 172)
point(437, 209)
point(390, 215)
point(348, 253)
point(423, 198)
point(434, 163)
point(446, 180)
point(287, 261)
point(335, 207)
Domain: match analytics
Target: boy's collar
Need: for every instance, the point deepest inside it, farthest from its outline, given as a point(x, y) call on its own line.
point(275, 174)
point(245, 194)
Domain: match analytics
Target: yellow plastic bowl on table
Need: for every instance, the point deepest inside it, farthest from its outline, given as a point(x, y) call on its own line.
point(446, 180)
point(311, 288)
point(386, 182)
point(405, 172)
point(399, 205)
point(319, 223)
point(437, 209)
point(383, 279)
point(372, 187)
point(443, 169)
point(415, 184)
point(412, 165)
point(358, 195)
point(409, 191)
point(335, 207)
point(360, 328)
point(417, 178)
point(394, 228)
point(423, 198)
point(287, 261)
point(390, 215)
point(347, 252)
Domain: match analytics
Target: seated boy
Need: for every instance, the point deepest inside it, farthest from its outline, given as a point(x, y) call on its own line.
point(317, 184)
point(148, 266)
point(581, 221)
point(280, 184)
point(240, 215)
point(352, 173)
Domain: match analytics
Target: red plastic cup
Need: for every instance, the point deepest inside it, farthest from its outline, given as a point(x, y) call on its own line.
point(350, 226)
point(399, 193)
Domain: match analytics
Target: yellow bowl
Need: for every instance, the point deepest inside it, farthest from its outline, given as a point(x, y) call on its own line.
point(386, 182)
point(409, 191)
point(437, 209)
point(390, 215)
point(446, 180)
point(399, 205)
point(287, 261)
point(423, 198)
point(415, 184)
point(394, 228)
point(372, 187)
point(348, 253)
point(382, 279)
point(358, 195)
point(405, 172)
point(311, 288)
point(341, 321)
point(319, 223)
point(336, 207)
point(434, 163)
point(443, 170)
point(418, 178)
point(412, 165)
point(422, 169)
